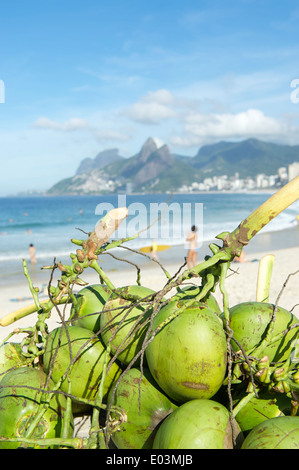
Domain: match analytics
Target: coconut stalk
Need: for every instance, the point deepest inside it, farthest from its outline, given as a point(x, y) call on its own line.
point(250, 226)
point(24, 312)
point(264, 278)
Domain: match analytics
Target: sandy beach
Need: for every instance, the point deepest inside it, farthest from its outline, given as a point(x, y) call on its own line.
point(240, 283)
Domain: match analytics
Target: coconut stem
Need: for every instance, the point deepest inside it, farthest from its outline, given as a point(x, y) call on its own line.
point(25, 311)
point(264, 278)
point(242, 403)
point(74, 442)
point(250, 226)
point(93, 264)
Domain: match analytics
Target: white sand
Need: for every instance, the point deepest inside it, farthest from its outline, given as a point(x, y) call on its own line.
point(241, 286)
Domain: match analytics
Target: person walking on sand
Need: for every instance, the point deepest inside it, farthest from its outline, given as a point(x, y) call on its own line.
point(192, 253)
point(32, 253)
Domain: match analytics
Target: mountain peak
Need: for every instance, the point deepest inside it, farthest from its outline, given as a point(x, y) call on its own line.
point(147, 149)
point(157, 161)
point(99, 161)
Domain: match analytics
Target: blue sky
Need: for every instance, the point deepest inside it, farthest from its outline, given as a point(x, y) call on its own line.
point(80, 77)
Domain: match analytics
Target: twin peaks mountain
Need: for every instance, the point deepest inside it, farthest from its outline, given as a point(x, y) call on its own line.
point(156, 169)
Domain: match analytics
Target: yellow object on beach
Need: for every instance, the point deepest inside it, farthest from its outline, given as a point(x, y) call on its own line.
point(148, 249)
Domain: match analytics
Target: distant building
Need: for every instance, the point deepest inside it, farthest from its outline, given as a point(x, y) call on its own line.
point(293, 170)
point(235, 183)
point(282, 173)
point(260, 180)
point(273, 180)
point(250, 183)
point(129, 188)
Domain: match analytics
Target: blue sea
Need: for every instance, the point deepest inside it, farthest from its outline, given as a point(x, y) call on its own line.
point(49, 223)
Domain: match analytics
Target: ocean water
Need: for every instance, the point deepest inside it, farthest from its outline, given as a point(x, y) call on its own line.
point(50, 222)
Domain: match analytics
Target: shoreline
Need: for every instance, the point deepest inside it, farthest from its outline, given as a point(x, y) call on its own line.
point(12, 270)
point(214, 191)
point(240, 283)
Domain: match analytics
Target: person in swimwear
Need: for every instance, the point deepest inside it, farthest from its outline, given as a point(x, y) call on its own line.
point(192, 253)
point(32, 253)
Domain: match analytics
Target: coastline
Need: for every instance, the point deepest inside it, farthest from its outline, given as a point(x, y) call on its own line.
point(213, 191)
point(240, 283)
point(12, 270)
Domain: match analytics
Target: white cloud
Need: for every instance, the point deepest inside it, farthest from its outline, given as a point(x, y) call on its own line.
point(244, 123)
point(149, 113)
point(162, 105)
point(103, 135)
point(159, 142)
point(197, 121)
point(185, 120)
point(199, 128)
point(152, 108)
point(163, 96)
point(100, 134)
point(72, 124)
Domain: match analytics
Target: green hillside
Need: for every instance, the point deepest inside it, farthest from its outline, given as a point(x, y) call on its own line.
point(249, 157)
point(157, 169)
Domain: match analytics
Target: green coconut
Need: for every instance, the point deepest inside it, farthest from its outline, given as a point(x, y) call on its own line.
point(86, 373)
point(274, 433)
point(11, 356)
point(20, 399)
point(188, 355)
point(89, 304)
point(249, 322)
point(138, 431)
point(266, 406)
point(118, 320)
point(192, 291)
point(198, 424)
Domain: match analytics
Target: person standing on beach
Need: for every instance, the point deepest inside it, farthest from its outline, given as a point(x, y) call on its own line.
point(32, 253)
point(192, 253)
